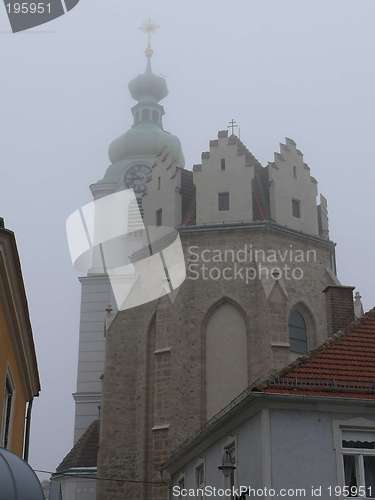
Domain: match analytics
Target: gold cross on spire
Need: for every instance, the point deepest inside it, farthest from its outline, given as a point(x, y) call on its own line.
point(149, 28)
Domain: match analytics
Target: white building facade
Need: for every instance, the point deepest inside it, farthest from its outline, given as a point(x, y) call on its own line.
point(307, 432)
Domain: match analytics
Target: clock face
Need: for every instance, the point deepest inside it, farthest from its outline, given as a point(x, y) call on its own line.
point(136, 177)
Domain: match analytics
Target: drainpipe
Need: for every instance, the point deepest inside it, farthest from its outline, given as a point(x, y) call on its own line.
point(27, 431)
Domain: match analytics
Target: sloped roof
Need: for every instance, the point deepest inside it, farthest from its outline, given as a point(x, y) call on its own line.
point(343, 366)
point(85, 452)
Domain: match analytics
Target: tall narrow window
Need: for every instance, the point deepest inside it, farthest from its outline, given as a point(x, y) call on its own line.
point(226, 346)
point(181, 485)
point(159, 217)
point(8, 406)
point(295, 172)
point(155, 116)
point(159, 183)
point(222, 164)
point(296, 208)
point(297, 332)
point(223, 202)
point(199, 478)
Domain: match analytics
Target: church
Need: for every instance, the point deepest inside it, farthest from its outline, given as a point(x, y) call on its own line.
point(260, 291)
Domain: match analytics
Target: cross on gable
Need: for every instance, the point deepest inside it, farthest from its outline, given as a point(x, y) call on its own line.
point(232, 125)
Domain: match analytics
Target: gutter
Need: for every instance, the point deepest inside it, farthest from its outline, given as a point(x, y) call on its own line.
point(27, 431)
point(236, 414)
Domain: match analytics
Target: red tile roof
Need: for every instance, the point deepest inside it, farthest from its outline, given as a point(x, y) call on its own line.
point(343, 366)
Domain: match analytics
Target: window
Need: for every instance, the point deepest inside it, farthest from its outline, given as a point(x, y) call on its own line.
point(296, 209)
point(199, 477)
point(7, 415)
point(295, 172)
point(159, 183)
point(159, 217)
point(181, 485)
point(222, 164)
point(297, 332)
point(358, 460)
point(155, 116)
point(223, 201)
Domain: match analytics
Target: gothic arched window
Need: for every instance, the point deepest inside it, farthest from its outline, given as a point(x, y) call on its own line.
point(226, 356)
point(297, 332)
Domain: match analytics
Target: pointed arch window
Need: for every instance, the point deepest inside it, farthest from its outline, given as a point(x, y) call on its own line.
point(297, 332)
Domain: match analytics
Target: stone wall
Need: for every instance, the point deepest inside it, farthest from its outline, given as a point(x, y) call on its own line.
point(154, 390)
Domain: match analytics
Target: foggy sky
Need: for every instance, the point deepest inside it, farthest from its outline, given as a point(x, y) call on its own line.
point(302, 69)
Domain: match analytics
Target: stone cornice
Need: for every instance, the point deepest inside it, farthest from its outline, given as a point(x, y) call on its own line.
point(266, 226)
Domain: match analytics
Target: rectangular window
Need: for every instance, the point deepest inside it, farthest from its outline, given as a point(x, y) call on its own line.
point(159, 183)
point(358, 450)
point(223, 202)
point(159, 217)
point(296, 208)
point(8, 407)
point(222, 164)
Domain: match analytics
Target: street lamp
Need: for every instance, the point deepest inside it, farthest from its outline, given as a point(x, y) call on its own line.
point(228, 467)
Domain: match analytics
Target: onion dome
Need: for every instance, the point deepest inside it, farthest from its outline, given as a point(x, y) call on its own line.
point(17, 479)
point(146, 138)
point(148, 86)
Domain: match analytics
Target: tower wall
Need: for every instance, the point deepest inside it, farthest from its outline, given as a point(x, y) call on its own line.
point(95, 297)
point(155, 385)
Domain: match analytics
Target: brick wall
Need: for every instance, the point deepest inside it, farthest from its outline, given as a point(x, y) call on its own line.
point(340, 307)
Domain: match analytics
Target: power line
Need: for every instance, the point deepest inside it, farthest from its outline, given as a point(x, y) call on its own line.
point(97, 478)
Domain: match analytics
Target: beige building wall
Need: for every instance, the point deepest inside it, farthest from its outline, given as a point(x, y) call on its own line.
point(236, 179)
point(163, 193)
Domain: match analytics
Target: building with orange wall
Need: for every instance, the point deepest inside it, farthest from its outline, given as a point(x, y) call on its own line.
point(19, 378)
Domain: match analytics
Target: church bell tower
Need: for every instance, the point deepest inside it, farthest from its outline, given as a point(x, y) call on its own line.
point(132, 156)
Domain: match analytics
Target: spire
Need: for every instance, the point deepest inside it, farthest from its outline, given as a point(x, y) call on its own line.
point(147, 137)
point(149, 28)
point(148, 86)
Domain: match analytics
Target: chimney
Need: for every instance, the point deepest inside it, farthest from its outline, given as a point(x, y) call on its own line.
point(340, 307)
